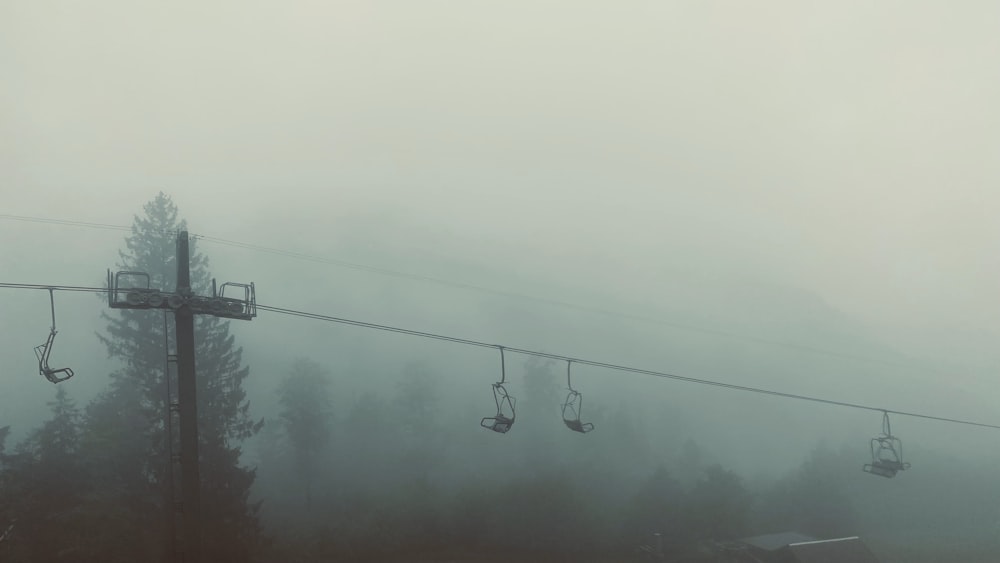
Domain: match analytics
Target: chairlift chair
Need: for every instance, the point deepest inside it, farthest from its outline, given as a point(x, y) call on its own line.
point(504, 419)
point(887, 453)
point(134, 296)
point(242, 307)
point(573, 407)
point(43, 351)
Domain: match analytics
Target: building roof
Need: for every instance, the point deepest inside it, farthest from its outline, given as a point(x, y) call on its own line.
point(842, 550)
point(774, 542)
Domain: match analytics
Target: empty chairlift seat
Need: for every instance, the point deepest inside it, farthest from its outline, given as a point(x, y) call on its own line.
point(503, 420)
point(43, 351)
point(887, 453)
point(572, 408)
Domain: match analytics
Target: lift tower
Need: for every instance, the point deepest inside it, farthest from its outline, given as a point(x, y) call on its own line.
point(135, 293)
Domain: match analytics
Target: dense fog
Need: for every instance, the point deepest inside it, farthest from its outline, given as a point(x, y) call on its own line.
point(785, 198)
point(367, 444)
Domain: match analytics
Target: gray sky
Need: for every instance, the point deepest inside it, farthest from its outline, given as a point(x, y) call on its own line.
point(642, 156)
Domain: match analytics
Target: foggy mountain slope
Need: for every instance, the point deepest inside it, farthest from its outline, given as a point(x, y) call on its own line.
point(763, 312)
point(739, 331)
point(736, 313)
point(794, 197)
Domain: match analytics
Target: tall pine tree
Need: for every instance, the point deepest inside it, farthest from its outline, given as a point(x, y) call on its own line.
point(307, 418)
point(43, 487)
point(127, 422)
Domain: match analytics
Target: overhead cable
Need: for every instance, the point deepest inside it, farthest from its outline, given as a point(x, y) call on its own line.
point(481, 289)
point(610, 366)
point(54, 287)
point(539, 354)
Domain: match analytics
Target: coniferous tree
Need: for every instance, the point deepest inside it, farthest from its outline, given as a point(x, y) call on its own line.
point(305, 417)
point(6, 500)
point(815, 498)
point(126, 423)
point(538, 414)
point(9, 495)
point(416, 405)
point(719, 505)
point(417, 400)
point(45, 487)
point(6, 515)
point(657, 508)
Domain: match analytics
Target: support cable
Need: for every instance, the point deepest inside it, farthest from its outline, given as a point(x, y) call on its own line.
point(481, 289)
point(559, 357)
point(614, 367)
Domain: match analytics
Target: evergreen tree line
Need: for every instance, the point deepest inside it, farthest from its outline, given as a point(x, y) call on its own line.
point(400, 475)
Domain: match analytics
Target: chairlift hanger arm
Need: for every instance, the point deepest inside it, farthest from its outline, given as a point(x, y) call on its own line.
point(572, 408)
point(52, 305)
point(535, 353)
point(502, 421)
point(503, 367)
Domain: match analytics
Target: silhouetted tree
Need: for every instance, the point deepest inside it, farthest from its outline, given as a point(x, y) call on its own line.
point(127, 421)
point(46, 486)
point(538, 416)
point(370, 443)
point(690, 463)
point(416, 410)
point(416, 400)
point(6, 500)
point(719, 505)
point(306, 418)
point(815, 498)
point(7, 520)
point(659, 507)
